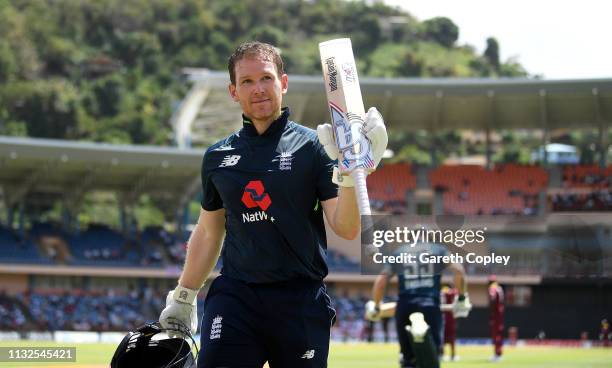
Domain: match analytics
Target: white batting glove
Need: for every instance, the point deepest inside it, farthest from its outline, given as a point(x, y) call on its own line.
point(181, 312)
point(372, 311)
point(462, 306)
point(373, 128)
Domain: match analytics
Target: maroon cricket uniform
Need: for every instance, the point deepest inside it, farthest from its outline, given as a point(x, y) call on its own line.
point(605, 333)
point(496, 317)
point(449, 319)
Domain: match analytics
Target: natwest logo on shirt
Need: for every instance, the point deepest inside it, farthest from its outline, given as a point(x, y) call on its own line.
point(255, 195)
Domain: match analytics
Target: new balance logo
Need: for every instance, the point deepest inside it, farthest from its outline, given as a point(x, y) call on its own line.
point(309, 354)
point(230, 160)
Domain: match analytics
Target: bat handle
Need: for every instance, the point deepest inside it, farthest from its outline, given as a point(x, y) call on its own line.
point(361, 190)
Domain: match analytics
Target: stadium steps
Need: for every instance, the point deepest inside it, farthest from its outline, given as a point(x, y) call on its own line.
point(422, 177)
point(555, 177)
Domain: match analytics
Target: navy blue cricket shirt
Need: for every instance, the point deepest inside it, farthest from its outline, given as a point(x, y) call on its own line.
point(271, 186)
point(419, 283)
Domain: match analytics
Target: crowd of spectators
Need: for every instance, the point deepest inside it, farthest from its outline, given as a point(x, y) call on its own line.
point(592, 201)
point(592, 177)
point(84, 311)
point(351, 325)
point(11, 316)
point(111, 310)
point(104, 254)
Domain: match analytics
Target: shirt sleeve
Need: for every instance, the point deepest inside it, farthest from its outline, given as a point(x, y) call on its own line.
point(211, 199)
point(326, 189)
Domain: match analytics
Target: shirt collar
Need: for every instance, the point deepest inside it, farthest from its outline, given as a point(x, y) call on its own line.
point(248, 128)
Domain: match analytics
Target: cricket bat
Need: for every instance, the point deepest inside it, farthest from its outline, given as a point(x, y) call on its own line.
point(347, 115)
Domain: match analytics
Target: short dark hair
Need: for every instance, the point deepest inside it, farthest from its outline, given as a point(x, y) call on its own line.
point(255, 49)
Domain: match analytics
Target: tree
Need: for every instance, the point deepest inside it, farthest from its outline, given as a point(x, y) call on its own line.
point(107, 70)
point(268, 34)
point(441, 30)
point(8, 64)
point(491, 53)
point(49, 108)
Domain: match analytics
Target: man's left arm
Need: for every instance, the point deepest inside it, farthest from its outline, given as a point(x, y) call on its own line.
point(342, 212)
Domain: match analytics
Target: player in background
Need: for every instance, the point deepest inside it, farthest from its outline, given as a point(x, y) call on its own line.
point(604, 333)
point(266, 189)
point(496, 316)
point(419, 303)
point(450, 327)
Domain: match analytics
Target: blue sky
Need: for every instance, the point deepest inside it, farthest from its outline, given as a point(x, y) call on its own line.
point(563, 39)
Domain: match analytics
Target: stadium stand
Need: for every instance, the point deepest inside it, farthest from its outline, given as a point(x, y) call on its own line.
point(84, 310)
point(592, 201)
point(12, 317)
point(80, 310)
point(339, 262)
point(473, 190)
point(587, 176)
point(100, 245)
point(387, 186)
point(17, 248)
point(171, 177)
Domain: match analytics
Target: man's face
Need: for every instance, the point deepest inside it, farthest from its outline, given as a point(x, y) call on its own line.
point(258, 89)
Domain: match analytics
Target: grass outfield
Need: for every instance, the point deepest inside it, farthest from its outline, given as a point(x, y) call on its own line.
point(379, 356)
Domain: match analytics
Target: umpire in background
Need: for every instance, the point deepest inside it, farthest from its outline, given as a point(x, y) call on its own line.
point(266, 188)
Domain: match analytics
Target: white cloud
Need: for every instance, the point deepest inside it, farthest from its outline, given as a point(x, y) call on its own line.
point(558, 39)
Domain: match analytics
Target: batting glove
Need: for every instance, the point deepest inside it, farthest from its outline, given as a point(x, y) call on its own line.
point(373, 128)
point(462, 306)
point(181, 312)
point(372, 311)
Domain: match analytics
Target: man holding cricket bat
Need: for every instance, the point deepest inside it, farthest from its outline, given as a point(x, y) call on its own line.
point(266, 188)
point(418, 312)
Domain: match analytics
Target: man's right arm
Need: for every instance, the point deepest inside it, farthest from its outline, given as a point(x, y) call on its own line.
point(203, 248)
point(203, 251)
point(459, 277)
point(379, 288)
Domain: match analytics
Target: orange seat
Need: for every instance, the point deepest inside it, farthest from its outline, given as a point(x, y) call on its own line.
point(390, 182)
point(471, 190)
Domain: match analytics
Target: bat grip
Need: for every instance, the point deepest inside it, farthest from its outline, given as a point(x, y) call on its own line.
point(361, 191)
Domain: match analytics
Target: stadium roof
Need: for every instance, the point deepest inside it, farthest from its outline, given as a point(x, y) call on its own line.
point(411, 104)
point(44, 170)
